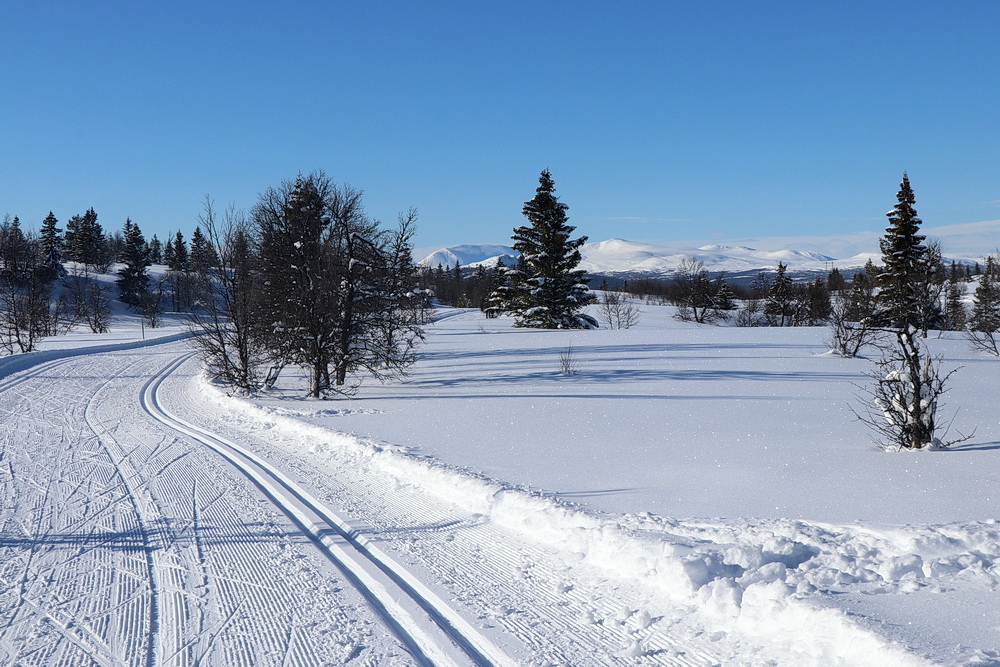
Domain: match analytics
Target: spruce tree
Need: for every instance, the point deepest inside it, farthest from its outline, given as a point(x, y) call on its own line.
point(904, 259)
point(14, 249)
point(168, 253)
point(725, 299)
point(820, 306)
point(955, 312)
point(202, 256)
point(985, 316)
point(550, 291)
point(50, 248)
point(85, 240)
point(780, 303)
point(133, 280)
point(179, 258)
point(155, 250)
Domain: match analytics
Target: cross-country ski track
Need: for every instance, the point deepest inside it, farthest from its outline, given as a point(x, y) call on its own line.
point(144, 526)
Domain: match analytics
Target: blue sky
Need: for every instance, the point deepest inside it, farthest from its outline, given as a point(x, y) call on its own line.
point(659, 120)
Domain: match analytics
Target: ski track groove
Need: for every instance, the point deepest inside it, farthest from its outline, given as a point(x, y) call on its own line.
point(347, 551)
point(76, 576)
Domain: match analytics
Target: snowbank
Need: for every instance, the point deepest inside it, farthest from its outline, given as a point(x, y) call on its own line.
point(760, 580)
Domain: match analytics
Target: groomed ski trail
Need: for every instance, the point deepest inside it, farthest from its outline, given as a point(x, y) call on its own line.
point(382, 581)
point(124, 543)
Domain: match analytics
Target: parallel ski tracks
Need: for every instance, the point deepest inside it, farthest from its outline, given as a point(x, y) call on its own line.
point(430, 629)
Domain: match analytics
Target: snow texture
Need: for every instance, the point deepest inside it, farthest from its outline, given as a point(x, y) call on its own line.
point(690, 496)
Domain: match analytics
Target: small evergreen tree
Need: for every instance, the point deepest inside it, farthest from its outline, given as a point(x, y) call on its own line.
point(168, 253)
point(15, 250)
point(725, 300)
point(819, 305)
point(86, 242)
point(955, 313)
point(155, 250)
point(500, 298)
point(835, 281)
point(550, 293)
point(780, 305)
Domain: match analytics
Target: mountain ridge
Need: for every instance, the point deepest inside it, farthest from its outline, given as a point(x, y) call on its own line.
point(964, 243)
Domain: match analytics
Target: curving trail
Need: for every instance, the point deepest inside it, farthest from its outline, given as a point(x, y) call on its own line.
point(123, 542)
point(142, 525)
point(393, 592)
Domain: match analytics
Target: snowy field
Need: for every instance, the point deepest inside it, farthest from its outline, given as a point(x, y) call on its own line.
point(690, 495)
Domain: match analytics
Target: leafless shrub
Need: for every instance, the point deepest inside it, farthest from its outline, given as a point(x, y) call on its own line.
point(617, 310)
point(847, 337)
point(904, 400)
point(567, 361)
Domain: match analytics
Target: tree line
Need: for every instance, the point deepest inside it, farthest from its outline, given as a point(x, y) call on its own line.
point(305, 278)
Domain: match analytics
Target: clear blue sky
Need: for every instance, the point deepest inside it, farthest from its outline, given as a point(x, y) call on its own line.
point(659, 120)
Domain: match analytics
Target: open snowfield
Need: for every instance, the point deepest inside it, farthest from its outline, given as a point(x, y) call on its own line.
point(691, 495)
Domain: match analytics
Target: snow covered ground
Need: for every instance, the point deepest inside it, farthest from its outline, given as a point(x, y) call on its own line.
point(689, 496)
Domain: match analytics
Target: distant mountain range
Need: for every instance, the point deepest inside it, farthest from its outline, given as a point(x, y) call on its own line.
point(619, 256)
point(969, 242)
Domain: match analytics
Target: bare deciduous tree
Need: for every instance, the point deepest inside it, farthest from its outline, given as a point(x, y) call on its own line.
point(227, 326)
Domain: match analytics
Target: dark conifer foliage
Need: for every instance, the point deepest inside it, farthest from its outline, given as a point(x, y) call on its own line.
point(178, 259)
point(155, 250)
point(905, 266)
point(780, 304)
point(86, 242)
point(50, 245)
point(134, 279)
point(202, 257)
point(548, 291)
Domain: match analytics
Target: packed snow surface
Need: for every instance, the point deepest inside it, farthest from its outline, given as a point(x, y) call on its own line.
point(689, 495)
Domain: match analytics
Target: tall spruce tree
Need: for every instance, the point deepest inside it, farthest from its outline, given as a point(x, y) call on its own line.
point(903, 278)
point(50, 243)
point(133, 280)
point(178, 259)
point(549, 292)
point(984, 320)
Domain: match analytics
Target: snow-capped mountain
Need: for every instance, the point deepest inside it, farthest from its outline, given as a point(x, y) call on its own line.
point(469, 255)
point(622, 256)
point(967, 242)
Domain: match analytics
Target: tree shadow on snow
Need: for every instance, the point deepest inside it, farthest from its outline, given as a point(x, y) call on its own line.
point(973, 447)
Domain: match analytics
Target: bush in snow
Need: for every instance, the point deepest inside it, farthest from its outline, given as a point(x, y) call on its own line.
point(617, 310)
point(847, 336)
point(905, 397)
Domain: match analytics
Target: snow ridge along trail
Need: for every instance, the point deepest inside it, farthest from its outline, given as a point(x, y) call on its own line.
point(385, 583)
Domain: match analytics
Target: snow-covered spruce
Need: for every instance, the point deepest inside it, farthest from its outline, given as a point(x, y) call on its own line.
point(545, 290)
